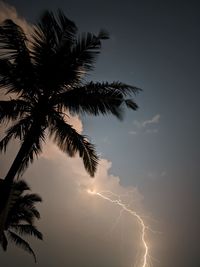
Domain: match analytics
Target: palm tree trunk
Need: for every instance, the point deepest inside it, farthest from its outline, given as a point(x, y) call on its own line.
point(22, 153)
point(6, 184)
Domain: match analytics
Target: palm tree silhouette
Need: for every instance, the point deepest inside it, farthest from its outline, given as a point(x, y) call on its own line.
point(20, 219)
point(46, 74)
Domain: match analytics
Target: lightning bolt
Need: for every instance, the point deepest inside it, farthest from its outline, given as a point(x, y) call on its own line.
point(118, 202)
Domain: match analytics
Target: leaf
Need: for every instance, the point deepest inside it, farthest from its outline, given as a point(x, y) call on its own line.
point(97, 98)
point(71, 142)
point(21, 243)
point(13, 109)
point(27, 229)
point(131, 104)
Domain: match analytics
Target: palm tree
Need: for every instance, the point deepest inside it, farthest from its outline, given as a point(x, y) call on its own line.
point(20, 219)
point(45, 76)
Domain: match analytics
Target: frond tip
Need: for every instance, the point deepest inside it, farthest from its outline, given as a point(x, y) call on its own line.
point(21, 243)
point(103, 34)
point(88, 153)
point(71, 142)
point(131, 104)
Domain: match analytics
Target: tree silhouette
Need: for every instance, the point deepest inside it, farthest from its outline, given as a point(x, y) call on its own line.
point(20, 219)
point(46, 74)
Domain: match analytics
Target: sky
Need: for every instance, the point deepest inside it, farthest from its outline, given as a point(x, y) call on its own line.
point(151, 158)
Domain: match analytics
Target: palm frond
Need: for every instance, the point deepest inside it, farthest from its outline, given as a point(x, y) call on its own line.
point(7, 80)
point(21, 243)
point(13, 109)
point(53, 38)
point(98, 98)
point(54, 31)
point(131, 104)
point(21, 212)
point(20, 186)
point(12, 39)
point(68, 30)
point(20, 215)
point(16, 191)
point(17, 130)
point(25, 203)
point(20, 218)
point(71, 142)
point(33, 153)
point(27, 229)
point(58, 53)
point(22, 207)
point(30, 199)
point(17, 76)
point(21, 80)
point(51, 34)
point(4, 142)
point(30, 211)
point(84, 53)
point(72, 64)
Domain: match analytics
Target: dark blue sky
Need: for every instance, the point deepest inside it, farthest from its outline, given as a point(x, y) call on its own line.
point(154, 45)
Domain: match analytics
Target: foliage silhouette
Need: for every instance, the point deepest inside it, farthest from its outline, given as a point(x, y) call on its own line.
point(46, 74)
point(20, 219)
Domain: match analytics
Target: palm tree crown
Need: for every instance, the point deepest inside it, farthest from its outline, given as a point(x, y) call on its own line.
point(20, 219)
point(46, 74)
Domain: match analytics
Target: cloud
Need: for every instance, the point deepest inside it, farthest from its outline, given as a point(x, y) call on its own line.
point(72, 218)
point(155, 175)
point(153, 120)
point(146, 126)
point(133, 132)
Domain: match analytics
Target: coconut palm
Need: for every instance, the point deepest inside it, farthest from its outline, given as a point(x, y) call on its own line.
point(46, 74)
point(20, 220)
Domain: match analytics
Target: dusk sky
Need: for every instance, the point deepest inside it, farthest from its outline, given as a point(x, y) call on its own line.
point(151, 158)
